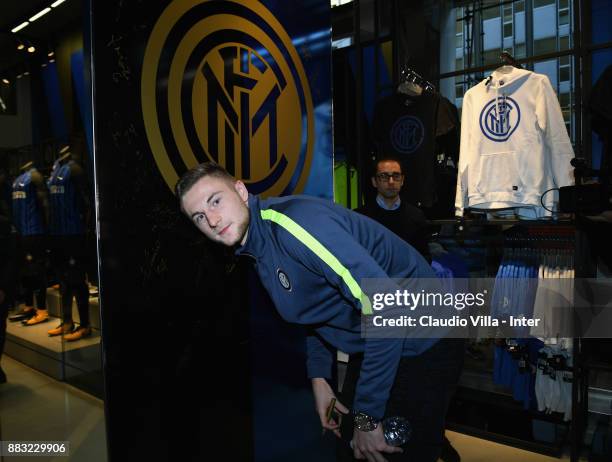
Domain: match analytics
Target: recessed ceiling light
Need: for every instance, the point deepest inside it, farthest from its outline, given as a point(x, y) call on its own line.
point(40, 14)
point(6, 81)
point(31, 49)
point(58, 2)
point(26, 73)
point(21, 46)
point(51, 53)
point(19, 27)
point(52, 60)
point(19, 76)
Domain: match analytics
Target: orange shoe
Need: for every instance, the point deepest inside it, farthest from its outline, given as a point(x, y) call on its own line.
point(79, 333)
point(63, 329)
point(41, 316)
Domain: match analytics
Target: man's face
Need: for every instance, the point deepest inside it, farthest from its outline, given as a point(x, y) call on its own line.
point(389, 179)
point(219, 209)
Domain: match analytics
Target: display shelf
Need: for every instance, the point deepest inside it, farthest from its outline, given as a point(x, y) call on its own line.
point(32, 346)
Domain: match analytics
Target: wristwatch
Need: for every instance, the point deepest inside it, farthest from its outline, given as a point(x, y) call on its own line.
point(364, 422)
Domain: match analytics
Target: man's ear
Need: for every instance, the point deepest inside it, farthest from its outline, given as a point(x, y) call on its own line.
point(374, 182)
point(242, 190)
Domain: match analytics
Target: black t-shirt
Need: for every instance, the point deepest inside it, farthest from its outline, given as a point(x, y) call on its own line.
point(407, 221)
point(407, 127)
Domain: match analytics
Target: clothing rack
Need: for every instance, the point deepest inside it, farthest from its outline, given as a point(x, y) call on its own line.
point(407, 74)
point(495, 238)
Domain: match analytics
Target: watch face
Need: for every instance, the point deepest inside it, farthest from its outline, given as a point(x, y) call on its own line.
point(364, 422)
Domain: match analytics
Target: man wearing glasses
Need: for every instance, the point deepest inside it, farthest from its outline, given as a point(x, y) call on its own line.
point(405, 220)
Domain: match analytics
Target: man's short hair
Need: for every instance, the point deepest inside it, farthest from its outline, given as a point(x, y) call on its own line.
point(383, 158)
point(192, 176)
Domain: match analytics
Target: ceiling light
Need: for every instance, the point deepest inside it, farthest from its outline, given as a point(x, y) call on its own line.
point(31, 49)
point(43, 65)
point(52, 60)
point(58, 2)
point(26, 73)
point(21, 46)
point(19, 27)
point(50, 54)
point(19, 76)
point(40, 14)
point(6, 81)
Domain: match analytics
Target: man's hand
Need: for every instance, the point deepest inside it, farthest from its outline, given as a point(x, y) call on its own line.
point(369, 445)
point(323, 395)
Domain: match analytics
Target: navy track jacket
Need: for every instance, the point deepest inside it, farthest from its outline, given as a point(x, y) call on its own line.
point(311, 255)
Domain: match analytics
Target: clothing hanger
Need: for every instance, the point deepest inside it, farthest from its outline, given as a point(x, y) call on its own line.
point(508, 63)
point(64, 154)
point(413, 84)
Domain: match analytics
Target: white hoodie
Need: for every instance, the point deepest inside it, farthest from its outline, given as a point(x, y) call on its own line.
point(514, 144)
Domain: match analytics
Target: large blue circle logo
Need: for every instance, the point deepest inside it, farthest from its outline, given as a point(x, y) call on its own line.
point(499, 118)
point(407, 134)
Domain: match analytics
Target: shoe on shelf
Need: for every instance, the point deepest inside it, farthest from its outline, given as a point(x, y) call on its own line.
point(79, 333)
point(26, 312)
point(41, 316)
point(63, 329)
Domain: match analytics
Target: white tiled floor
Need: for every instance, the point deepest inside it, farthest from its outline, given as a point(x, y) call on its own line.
point(35, 407)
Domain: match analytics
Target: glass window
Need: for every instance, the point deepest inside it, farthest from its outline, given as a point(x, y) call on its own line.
point(508, 13)
point(564, 74)
point(563, 4)
point(564, 99)
point(490, 13)
point(519, 6)
point(564, 43)
point(539, 3)
point(545, 45)
point(508, 30)
point(520, 50)
point(491, 57)
point(563, 17)
point(459, 26)
point(459, 91)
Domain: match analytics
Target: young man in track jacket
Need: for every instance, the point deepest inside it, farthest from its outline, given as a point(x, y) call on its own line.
point(311, 256)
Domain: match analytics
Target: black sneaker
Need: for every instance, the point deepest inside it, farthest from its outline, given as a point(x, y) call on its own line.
point(22, 315)
point(449, 453)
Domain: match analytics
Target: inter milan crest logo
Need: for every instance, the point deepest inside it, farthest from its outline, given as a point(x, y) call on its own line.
point(407, 134)
point(283, 279)
point(222, 81)
point(499, 118)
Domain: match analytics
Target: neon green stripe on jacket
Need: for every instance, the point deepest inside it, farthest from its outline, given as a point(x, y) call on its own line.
point(321, 251)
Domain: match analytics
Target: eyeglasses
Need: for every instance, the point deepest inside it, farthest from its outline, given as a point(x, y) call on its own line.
point(384, 176)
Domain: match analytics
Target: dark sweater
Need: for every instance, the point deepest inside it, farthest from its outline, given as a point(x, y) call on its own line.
point(407, 221)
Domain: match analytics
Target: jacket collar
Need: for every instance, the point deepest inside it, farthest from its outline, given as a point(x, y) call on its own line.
point(255, 243)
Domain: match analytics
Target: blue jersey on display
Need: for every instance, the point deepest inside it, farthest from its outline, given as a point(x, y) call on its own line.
point(27, 215)
point(66, 209)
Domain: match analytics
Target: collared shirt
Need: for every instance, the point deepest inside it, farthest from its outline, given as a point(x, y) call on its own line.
point(381, 201)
